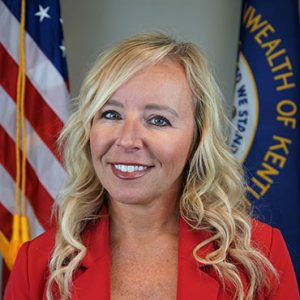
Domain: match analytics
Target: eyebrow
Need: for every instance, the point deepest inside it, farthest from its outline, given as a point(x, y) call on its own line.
point(161, 107)
point(151, 106)
point(114, 103)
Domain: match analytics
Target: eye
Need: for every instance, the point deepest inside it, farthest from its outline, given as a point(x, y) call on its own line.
point(111, 115)
point(159, 121)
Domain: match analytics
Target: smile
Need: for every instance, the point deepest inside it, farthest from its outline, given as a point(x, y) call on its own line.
point(129, 171)
point(129, 168)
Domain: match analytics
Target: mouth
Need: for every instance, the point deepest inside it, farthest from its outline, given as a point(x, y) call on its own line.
point(130, 170)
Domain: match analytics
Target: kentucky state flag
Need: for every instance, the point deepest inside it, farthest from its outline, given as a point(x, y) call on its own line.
point(266, 114)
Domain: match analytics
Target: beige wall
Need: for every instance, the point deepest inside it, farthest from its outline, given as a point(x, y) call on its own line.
point(93, 25)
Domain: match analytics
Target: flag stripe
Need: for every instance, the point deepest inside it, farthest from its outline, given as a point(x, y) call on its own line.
point(7, 189)
point(38, 155)
point(47, 80)
point(47, 124)
point(37, 195)
point(6, 218)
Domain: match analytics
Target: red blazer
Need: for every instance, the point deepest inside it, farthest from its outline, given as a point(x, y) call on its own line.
point(195, 281)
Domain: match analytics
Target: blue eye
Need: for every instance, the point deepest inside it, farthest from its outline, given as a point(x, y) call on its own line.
point(111, 115)
point(159, 121)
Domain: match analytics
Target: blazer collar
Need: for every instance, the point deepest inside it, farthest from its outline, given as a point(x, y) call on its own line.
point(94, 273)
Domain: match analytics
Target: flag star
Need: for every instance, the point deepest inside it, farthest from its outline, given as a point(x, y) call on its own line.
point(42, 13)
point(63, 49)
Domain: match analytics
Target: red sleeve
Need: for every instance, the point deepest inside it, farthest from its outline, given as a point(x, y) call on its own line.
point(280, 258)
point(18, 285)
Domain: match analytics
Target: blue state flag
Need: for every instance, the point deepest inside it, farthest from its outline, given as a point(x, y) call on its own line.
point(266, 136)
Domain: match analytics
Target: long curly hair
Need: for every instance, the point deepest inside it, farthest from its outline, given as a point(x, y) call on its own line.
point(213, 195)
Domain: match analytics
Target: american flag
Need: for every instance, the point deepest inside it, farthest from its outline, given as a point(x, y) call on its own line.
point(46, 109)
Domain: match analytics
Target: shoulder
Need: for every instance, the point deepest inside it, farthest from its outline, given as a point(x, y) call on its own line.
point(39, 251)
point(44, 243)
point(31, 268)
point(270, 242)
point(267, 239)
point(262, 236)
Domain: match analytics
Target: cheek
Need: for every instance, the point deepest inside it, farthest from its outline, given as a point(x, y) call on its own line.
point(175, 151)
point(101, 143)
point(97, 142)
point(94, 142)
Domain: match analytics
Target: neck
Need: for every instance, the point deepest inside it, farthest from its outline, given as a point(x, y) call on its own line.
point(138, 221)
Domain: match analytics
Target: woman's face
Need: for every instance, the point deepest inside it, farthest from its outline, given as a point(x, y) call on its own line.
point(141, 138)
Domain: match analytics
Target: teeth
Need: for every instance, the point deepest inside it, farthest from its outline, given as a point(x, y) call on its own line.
point(128, 168)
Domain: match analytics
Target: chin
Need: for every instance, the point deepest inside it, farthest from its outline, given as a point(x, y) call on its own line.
point(129, 198)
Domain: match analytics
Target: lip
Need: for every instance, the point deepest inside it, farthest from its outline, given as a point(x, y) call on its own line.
point(130, 175)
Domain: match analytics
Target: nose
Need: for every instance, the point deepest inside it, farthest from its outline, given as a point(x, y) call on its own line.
point(130, 135)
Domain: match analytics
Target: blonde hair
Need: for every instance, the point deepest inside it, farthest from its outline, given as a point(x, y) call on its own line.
point(213, 194)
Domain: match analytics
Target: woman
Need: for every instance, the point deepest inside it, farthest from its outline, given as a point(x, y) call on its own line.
point(154, 207)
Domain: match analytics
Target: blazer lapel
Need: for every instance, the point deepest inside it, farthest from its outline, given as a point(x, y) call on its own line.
point(193, 281)
point(93, 278)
